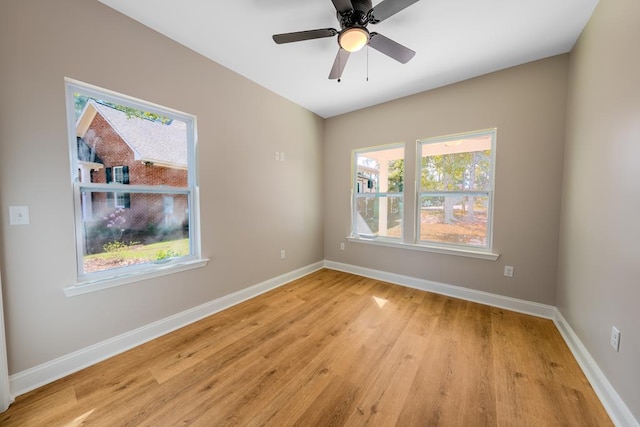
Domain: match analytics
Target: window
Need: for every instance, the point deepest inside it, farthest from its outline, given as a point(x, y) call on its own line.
point(455, 190)
point(120, 176)
point(134, 181)
point(378, 192)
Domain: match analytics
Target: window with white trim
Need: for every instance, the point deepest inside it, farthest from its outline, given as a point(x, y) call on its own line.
point(455, 190)
point(378, 197)
point(134, 182)
point(121, 200)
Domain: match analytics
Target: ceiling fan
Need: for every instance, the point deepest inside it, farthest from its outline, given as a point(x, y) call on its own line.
point(354, 16)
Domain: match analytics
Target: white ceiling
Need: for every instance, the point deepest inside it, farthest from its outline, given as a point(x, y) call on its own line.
point(454, 40)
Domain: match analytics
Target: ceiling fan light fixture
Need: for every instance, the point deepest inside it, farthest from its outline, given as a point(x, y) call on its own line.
point(353, 39)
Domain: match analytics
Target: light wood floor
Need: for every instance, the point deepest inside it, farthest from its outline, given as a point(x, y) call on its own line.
point(332, 349)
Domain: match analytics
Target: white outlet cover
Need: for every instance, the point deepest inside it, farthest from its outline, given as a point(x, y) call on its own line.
point(615, 338)
point(508, 271)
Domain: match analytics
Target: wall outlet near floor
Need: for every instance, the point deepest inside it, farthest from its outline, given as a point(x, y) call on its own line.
point(615, 338)
point(508, 270)
point(283, 254)
point(342, 246)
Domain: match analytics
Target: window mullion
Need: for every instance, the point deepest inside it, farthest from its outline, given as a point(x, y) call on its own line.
point(131, 188)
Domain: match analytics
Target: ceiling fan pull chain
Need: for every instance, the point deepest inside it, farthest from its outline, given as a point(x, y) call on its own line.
point(367, 62)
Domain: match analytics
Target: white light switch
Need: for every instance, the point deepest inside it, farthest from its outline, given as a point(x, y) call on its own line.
point(18, 215)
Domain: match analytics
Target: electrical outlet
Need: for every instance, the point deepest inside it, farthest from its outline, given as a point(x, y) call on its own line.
point(508, 270)
point(277, 155)
point(342, 246)
point(615, 338)
point(283, 254)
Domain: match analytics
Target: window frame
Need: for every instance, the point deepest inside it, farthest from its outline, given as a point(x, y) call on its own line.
point(488, 247)
point(410, 237)
point(115, 175)
point(87, 282)
point(355, 194)
point(118, 195)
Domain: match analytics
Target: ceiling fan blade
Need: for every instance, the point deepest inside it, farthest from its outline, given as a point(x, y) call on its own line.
point(339, 64)
point(342, 6)
point(391, 48)
point(304, 35)
point(387, 9)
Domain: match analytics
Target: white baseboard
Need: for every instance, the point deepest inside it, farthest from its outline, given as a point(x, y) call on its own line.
point(30, 379)
point(618, 411)
point(508, 303)
point(613, 404)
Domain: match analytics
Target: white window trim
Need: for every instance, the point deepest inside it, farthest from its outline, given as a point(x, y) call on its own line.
point(440, 247)
point(416, 245)
point(117, 195)
point(150, 272)
point(110, 278)
point(447, 250)
point(115, 175)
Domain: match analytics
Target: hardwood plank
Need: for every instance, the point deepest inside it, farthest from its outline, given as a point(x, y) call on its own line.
point(378, 402)
point(332, 349)
point(332, 406)
point(31, 413)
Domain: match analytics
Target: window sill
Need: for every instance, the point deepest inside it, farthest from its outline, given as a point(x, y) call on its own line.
point(111, 282)
point(425, 248)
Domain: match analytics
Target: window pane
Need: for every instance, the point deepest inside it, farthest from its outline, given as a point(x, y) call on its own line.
point(456, 165)
point(155, 228)
point(379, 216)
point(118, 175)
point(124, 145)
point(378, 186)
point(380, 171)
point(120, 200)
point(456, 219)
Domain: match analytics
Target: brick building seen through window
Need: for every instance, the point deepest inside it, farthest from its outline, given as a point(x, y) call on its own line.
point(135, 151)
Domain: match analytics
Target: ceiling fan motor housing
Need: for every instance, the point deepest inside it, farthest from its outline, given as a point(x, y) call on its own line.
point(359, 16)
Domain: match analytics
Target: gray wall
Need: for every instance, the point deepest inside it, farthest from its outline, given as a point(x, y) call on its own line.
point(599, 268)
point(527, 106)
point(250, 206)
